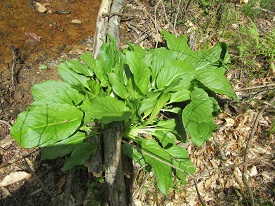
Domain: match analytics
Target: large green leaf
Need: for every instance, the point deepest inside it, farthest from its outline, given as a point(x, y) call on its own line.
point(176, 43)
point(88, 59)
point(214, 79)
point(161, 170)
point(166, 138)
point(180, 96)
point(158, 105)
point(63, 147)
point(109, 57)
point(133, 153)
point(56, 91)
point(117, 85)
point(71, 77)
point(44, 125)
point(197, 117)
point(173, 72)
point(147, 104)
point(87, 108)
point(180, 160)
point(80, 155)
point(186, 165)
point(177, 152)
point(75, 65)
point(140, 71)
point(108, 109)
point(216, 56)
point(167, 123)
point(132, 89)
point(157, 58)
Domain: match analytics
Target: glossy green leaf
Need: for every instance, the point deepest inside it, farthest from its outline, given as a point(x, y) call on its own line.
point(109, 55)
point(148, 104)
point(166, 138)
point(161, 170)
point(117, 85)
point(87, 108)
point(133, 153)
point(109, 109)
point(180, 96)
point(186, 165)
point(197, 117)
point(71, 77)
point(214, 79)
point(173, 72)
point(158, 105)
point(168, 124)
point(56, 92)
point(140, 71)
point(216, 56)
point(177, 152)
point(44, 125)
point(176, 43)
point(80, 155)
point(133, 90)
point(63, 147)
point(88, 59)
point(157, 58)
point(79, 68)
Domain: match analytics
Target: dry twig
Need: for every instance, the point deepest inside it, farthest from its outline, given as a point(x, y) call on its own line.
point(255, 87)
point(110, 14)
point(223, 156)
point(38, 179)
point(198, 192)
point(6, 123)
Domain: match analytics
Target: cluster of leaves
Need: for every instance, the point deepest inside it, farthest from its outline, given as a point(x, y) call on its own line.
point(157, 95)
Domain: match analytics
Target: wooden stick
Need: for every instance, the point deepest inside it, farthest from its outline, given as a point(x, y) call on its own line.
point(101, 26)
point(223, 156)
point(255, 87)
point(110, 14)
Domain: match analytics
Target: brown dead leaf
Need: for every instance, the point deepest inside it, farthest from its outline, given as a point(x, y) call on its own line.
point(6, 142)
point(33, 38)
point(14, 177)
point(60, 184)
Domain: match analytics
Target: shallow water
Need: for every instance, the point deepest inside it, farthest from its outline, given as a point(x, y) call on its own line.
point(34, 33)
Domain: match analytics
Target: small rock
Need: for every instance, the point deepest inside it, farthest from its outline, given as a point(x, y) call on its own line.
point(76, 21)
point(40, 7)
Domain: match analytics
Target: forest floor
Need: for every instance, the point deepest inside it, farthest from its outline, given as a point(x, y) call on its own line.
point(245, 137)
